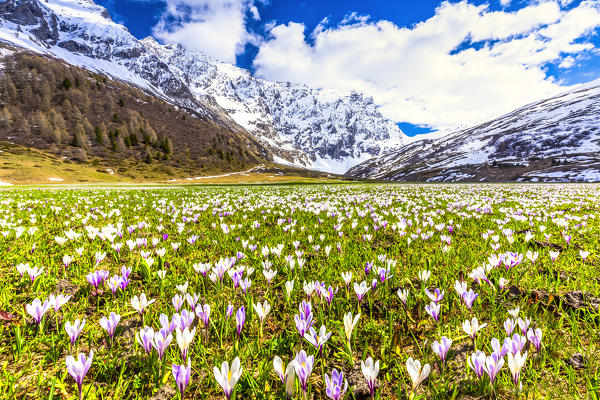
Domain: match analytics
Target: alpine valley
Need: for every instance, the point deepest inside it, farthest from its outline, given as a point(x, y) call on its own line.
point(138, 95)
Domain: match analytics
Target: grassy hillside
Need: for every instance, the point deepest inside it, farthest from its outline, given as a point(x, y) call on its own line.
point(83, 117)
point(28, 166)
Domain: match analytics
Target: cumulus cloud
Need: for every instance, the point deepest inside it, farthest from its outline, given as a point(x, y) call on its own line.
point(216, 27)
point(464, 65)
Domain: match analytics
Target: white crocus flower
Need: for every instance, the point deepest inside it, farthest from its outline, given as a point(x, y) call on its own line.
point(417, 375)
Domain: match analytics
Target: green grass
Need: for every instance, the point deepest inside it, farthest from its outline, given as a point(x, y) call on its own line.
point(374, 221)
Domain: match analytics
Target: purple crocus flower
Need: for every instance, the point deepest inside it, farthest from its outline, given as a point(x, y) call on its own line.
point(186, 318)
point(125, 271)
point(203, 312)
point(469, 298)
point(517, 343)
point(73, 330)
point(181, 374)
point(336, 386)
point(477, 362)
point(524, 324)
point(37, 309)
point(161, 341)
point(79, 368)
point(436, 296)
point(368, 267)
point(535, 337)
point(500, 351)
point(110, 324)
point(177, 301)
point(433, 310)
point(97, 277)
point(303, 365)
point(240, 319)
point(169, 326)
point(145, 337)
point(493, 365)
point(229, 311)
point(509, 326)
point(441, 348)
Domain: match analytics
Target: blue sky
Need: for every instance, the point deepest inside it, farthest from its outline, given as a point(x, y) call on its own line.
point(429, 65)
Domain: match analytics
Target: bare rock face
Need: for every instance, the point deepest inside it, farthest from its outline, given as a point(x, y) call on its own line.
point(553, 140)
point(319, 129)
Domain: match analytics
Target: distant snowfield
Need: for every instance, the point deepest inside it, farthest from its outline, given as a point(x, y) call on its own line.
point(5, 184)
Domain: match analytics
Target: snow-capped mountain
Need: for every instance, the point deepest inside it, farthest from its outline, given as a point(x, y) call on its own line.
point(556, 139)
point(319, 129)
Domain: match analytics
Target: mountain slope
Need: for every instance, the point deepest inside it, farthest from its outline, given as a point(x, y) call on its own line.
point(319, 129)
point(85, 117)
point(556, 139)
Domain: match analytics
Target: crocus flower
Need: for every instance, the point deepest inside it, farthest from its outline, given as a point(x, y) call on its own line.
point(184, 339)
point(182, 374)
point(97, 277)
point(417, 375)
point(73, 330)
point(110, 324)
point(524, 324)
point(501, 351)
point(37, 309)
point(203, 312)
point(114, 283)
point(403, 296)
point(583, 254)
point(370, 371)
point(170, 326)
point(177, 301)
point(349, 324)
point(424, 276)
point(441, 348)
point(240, 318)
point(516, 344)
point(34, 273)
point(79, 368)
point(57, 301)
point(228, 377)
point(336, 386)
point(279, 368)
point(469, 298)
point(554, 255)
point(192, 300)
point(289, 288)
point(436, 296)
point(347, 277)
point(361, 290)
point(460, 287)
point(141, 303)
point(145, 337)
point(472, 327)
point(515, 363)
point(161, 341)
point(477, 362)
point(493, 365)
point(229, 311)
point(262, 310)
point(535, 337)
point(433, 309)
point(509, 326)
point(318, 339)
point(303, 365)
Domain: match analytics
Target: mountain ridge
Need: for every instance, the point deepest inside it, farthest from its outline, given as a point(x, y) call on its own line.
point(314, 128)
point(554, 139)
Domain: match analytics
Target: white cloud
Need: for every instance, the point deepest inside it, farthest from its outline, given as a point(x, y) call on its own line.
point(505, 3)
point(426, 74)
point(216, 27)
